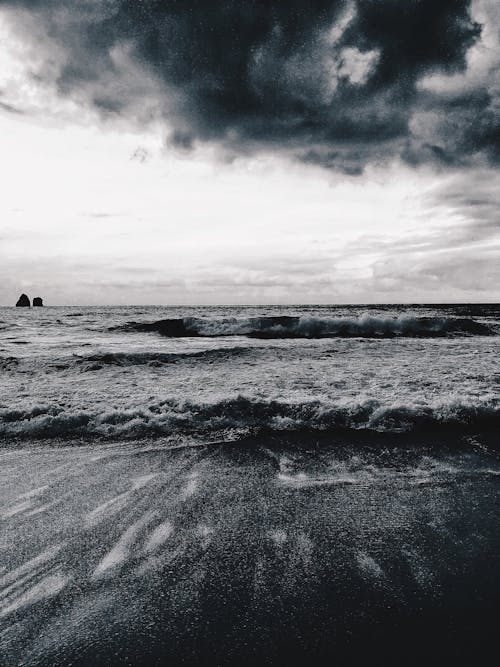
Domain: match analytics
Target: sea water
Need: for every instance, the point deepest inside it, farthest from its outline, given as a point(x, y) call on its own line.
point(181, 372)
point(249, 485)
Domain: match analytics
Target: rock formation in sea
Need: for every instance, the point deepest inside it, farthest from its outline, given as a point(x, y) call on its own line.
point(23, 301)
point(37, 301)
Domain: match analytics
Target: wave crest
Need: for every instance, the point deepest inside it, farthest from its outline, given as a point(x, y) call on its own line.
point(242, 416)
point(286, 326)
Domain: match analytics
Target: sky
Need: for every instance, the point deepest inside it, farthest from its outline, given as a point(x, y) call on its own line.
point(249, 151)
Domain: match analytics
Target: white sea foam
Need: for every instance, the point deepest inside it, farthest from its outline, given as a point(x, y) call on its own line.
point(205, 534)
point(278, 536)
point(106, 374)
point(16, 509)
point(245, 414)
point(120, 552)
point(140, 482)
point(369, 566)
point(159, 536)
point(48, 587)
point(107, 508)
point(192, 485)
point(34, 492)
point(28, 568)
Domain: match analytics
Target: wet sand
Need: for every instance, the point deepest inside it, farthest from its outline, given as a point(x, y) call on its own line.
point(257, 553)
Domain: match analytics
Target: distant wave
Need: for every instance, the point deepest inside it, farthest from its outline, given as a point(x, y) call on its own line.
point(242, 416)
point(314, 327)
point(99, 360)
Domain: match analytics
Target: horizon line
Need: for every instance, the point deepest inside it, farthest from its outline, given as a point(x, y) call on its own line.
point(264, 305)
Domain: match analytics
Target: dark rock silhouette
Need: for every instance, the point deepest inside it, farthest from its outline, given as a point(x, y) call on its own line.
point(37, 301)
point(23, 301)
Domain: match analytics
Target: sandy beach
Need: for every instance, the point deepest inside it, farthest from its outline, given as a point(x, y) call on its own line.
point(247, 553)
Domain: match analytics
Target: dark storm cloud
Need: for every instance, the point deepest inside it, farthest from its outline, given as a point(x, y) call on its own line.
point(333, 82)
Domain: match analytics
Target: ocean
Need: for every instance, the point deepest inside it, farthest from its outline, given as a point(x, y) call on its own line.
point(249, 485)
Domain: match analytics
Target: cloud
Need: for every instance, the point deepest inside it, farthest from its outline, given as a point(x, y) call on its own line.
point(9, 108)
point(458, 259)
point(339, 83)
point(465, 275)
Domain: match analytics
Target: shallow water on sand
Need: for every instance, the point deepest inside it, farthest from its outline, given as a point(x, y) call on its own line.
point(255, 552)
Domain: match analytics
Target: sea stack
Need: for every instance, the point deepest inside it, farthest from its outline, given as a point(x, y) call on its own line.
point(23, 301)
point(37, 301)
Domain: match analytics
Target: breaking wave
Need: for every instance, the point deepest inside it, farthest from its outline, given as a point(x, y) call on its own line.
point(314, 327)
point(243, 416)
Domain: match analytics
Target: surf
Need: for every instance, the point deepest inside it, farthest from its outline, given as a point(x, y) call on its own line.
point(288, 326)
